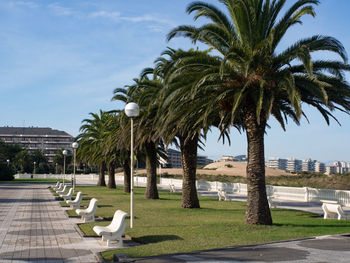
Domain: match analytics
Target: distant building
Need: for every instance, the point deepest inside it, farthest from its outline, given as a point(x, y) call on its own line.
point(331, 170)
point(294, 165)
point(320, 167)
point(277, 163)
point(48, 140)
point(174, 159)
point(340, 167)
point(308, 165)
point(203, 160)
point(241, 158)
point(228, 158)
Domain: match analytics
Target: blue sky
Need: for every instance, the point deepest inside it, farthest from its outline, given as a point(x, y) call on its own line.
point(61, 60)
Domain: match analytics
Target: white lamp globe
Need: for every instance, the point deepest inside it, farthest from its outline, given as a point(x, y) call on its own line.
point(64, 152)
point(132, 109)
point(75, 145)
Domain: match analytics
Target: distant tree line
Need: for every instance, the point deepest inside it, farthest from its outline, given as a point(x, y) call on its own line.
point(15, 159)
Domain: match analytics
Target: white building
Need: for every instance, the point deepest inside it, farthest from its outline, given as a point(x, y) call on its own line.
point(320, 167)
point(277, 163)
point(174, 159)
point(308, 165)
point(294, 165)
point(48, 140)
point(331, 170)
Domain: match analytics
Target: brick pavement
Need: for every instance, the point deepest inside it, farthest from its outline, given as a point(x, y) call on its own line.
point(34, 228)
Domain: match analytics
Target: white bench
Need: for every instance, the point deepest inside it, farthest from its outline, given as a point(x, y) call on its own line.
point(172, 188)
point(68, 196)
point(333, 209)
point(75, 204)
point(222, 195)
point(59, 188)
point(272, 204)
point(56, 186)
point(59, 192)
point(88, 214)
point(114, 230)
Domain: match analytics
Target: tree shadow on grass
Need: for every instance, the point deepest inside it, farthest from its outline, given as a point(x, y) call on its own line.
point(104, 205)
point(156, 238)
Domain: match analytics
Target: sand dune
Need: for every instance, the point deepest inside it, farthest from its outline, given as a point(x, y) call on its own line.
point(237, 169)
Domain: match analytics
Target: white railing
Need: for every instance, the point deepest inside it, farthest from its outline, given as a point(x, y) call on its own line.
point(300, 194)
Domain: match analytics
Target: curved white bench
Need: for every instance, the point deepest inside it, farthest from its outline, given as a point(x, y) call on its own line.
point(56, 185)
point(75, 204)
point(88, 214)
point(172, 188)
point(59, 192)
point(114, 230)
point(222, 195)
point(68, 196)
point(333, 209)
point(59, 188)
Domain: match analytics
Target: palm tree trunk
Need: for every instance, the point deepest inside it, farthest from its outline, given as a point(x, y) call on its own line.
point(127, 176)
point(258, 211)
point(111, 176)
point(151, 166)
point(189, 166)
point(101, 176)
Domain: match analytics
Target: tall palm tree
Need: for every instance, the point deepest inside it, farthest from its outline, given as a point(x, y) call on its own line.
point(181, 115)
point(255, 80)
point(91, 147)
point(143, 92)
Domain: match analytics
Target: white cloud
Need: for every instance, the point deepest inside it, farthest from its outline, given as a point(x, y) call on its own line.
point(60, 10)
point(116, 16)
point(27, 4)
point(157, 28)
point(103, 14)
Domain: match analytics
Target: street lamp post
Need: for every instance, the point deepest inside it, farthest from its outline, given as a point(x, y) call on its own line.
point(64, 152)
point(8, 162)
point(132, 110)
point(34, 167)
point(74, 146)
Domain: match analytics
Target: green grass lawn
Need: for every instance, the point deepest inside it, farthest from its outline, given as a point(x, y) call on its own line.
point(31, 181)
point(162, 226)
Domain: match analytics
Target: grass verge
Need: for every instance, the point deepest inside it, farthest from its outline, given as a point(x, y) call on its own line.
point(31, 181)
point(163, 227)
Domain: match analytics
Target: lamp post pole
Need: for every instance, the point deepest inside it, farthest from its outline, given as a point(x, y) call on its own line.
point(74, 146)
point(34, 167)
point(8, 162)
point(132, 110)
point(64, 152)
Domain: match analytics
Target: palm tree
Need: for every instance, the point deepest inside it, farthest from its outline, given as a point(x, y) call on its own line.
point(181, 115)
point(143, 92)
point(91, 143)
point(255, 80)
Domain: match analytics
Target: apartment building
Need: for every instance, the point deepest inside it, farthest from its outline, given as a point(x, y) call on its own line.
point(320, 167)
point(294, 165)
point(174, 159)
point(277, 163)
point(308, 165)
point(48, 140)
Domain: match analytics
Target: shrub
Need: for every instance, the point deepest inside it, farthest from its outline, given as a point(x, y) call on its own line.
point(6, 173)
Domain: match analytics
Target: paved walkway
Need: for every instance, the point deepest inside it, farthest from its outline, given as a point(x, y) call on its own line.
point(35, 228)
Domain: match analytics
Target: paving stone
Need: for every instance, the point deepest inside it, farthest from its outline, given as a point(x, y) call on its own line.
point(34, 228)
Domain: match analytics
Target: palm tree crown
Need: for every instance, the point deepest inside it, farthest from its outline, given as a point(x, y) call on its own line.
point(251, 80)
